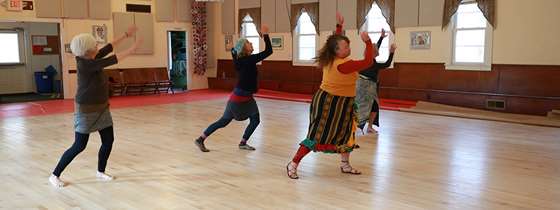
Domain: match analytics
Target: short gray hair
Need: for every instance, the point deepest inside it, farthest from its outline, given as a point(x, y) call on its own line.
point(82, 43)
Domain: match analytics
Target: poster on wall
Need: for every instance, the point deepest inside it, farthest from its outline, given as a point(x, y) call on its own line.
point(27, 5)
point(420, 40)
point(277, 42)
point(99, 32)
point(228, 41)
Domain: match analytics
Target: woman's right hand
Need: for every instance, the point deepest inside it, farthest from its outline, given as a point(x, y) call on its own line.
point(339, 18)
point(131, 30)
point(264, 29)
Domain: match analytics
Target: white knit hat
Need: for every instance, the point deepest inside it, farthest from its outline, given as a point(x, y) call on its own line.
point(82, 43)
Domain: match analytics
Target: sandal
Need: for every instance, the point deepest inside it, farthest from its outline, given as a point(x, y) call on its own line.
point(292, 171)
point(347, 169)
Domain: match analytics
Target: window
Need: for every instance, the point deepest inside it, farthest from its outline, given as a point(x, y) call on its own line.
point(305, 40)
point(472, 38)
point(10, 51)
point(374, 23)
point(249, 32)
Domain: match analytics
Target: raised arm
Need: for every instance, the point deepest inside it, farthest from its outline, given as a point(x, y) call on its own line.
point(122, 55)
point(339, 23)
point(267, 50)
point(380, 41)
point(390, 59)
point(129, 33)
point(104, 51)
point(369, 54)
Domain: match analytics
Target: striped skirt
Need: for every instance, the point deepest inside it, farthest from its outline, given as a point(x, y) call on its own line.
point(332, 124)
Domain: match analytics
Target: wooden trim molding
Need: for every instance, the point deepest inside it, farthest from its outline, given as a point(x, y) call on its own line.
point(526, 89)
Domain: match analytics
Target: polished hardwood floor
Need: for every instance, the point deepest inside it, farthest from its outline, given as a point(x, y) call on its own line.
point(416, 162)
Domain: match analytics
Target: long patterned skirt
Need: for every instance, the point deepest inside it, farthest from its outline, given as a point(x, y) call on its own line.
point(332, 124)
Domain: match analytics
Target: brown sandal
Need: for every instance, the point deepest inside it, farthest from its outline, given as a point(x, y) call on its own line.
point(292, 173)
point(346, 168)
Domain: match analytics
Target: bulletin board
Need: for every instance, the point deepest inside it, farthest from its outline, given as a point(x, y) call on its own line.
point(45, 45)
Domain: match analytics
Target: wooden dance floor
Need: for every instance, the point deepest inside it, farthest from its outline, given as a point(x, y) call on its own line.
point(416, 162)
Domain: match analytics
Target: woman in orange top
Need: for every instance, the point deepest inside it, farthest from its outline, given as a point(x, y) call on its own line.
point(332, 118)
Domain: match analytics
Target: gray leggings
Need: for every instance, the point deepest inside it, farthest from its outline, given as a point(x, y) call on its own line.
point(224, 121)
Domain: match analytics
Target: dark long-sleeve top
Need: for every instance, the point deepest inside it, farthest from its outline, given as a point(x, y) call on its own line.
point(373, 71)
point(93, 87)
point(246, 67)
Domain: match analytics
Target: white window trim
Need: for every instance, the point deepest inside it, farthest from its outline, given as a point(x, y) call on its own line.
point(487, 64)
point(295, 46)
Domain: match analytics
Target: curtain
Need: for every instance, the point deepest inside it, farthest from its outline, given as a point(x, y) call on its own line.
point(255, 13)
point(387, 8)
point(488, 8)
point(311, 8)
point(449, 9)
point(363, 9)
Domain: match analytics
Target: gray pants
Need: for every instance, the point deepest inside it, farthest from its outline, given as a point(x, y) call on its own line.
point(366, 94)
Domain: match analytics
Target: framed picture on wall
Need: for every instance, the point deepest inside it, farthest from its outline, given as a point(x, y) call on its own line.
point(277, 42)
point(99, 32)
point(420, 40)
point(228, 41)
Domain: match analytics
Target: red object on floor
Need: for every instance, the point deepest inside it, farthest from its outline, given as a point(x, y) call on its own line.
point(66, 106)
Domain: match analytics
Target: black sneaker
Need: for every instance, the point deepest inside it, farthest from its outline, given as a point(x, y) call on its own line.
point(200, 144)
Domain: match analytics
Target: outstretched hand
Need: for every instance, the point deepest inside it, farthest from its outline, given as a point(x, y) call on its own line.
point(365, 36)
point(264, 29)
point(339, 18)
point(383, 33)
point(131, 30)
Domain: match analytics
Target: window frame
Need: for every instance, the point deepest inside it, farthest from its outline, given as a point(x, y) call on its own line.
point(486, 65)
point(244, 34)
point(296, 48)
point(21, 46)
point(389, 38)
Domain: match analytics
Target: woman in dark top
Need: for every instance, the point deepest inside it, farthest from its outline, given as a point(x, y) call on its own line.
point(92, 100)
point(367, 90)
point(241, 104)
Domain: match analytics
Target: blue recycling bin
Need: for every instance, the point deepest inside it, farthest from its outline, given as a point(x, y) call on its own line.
point(44, 82)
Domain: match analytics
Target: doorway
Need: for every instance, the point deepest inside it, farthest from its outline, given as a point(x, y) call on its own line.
point(178, 59)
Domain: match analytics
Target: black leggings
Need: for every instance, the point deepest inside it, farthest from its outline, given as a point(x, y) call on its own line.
point(254, 121)
point(375, 108)
point(79, 145)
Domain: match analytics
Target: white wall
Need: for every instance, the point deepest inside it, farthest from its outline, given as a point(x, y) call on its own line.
point(526, 33)
point(72, 27)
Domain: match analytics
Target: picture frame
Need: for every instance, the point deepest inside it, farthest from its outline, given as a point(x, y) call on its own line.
point(99, 32)
point(228, 40)
point(277, 42)
point(420, 40)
